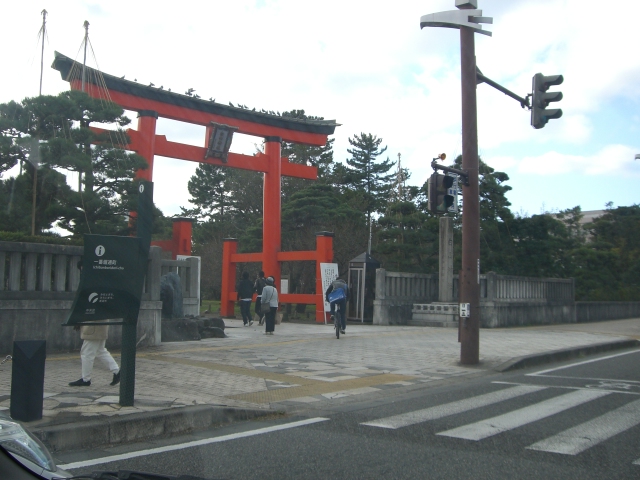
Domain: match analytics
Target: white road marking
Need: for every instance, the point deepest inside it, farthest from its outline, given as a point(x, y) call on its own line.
point(195, 443)
point(565, 387)
point(542, 372)
point(582, 437)
point(517, 418)
point(440, 411)
point(637, 462)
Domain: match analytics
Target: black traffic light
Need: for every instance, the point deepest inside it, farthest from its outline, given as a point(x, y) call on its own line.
point(440, 193)
point(540, 114)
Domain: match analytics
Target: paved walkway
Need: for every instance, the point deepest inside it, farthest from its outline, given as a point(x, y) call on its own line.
point(301, 363)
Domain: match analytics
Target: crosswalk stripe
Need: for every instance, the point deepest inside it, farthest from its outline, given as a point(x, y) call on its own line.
point(432, 413)
point(517, 418)
point(584, 436)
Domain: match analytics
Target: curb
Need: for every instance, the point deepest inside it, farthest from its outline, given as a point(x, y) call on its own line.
point(564, 354)
point(116, 430)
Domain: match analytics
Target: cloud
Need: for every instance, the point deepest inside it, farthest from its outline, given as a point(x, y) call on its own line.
point(368, 65)
point(615, 160)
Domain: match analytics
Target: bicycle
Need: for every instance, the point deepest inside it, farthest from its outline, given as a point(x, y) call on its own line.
point(336, 320)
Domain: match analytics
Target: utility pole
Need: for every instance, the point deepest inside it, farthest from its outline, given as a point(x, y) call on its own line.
point(467, 19)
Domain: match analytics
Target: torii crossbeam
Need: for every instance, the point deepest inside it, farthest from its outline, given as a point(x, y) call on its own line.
point(152, 103)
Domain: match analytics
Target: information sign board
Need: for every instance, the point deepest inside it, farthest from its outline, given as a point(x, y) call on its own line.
point(111, 281)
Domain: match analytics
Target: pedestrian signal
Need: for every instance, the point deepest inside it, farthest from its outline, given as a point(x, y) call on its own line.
point(440, 193)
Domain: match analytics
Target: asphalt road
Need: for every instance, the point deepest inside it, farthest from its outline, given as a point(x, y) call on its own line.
point(578, 419)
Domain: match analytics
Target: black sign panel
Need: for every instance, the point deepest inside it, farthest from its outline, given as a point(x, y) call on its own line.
point(111, 281)
point(113, 270)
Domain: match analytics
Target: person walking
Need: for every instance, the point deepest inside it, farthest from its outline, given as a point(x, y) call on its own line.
point(335, 286)
point(94, 338)
point(257, 287)
point(270, 297)
point(245, 292)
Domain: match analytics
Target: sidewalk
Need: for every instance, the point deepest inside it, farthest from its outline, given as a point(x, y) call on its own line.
point(189, 385)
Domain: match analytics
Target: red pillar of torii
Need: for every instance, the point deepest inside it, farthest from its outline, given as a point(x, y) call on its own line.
point(152, 103)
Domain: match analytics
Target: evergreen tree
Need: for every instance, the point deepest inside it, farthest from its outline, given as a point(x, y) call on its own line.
point(16, 198)
point(107, 191)
point(209, 188)
point(496, 239)
point(543, 247)
point(312, 155)
point(408, 239)
point(12, 150)
point(614, 262)
point(366, 176)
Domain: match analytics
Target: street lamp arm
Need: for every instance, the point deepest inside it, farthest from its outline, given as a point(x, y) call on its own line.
point(457, 19)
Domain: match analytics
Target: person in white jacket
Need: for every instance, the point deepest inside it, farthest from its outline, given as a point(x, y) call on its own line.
point(95, 337)
point(270, 295)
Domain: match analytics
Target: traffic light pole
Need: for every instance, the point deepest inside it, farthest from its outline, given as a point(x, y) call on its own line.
point(469, 280)
point(468, 19)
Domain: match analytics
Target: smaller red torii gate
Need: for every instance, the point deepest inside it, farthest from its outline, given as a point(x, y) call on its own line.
point(152, 103)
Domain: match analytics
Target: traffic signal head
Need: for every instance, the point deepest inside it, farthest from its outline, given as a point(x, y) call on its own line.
point(440, 193)
point(540, 114)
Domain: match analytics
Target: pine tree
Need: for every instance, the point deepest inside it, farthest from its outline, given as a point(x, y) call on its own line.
point(11, 149)
point(62, 124)
point(209, 193)
point(107, 191)
point(366, 176)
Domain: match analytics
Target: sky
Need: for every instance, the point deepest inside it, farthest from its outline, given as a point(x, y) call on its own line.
point(369, 66)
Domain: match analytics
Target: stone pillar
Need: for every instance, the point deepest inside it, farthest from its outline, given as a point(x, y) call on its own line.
point(492, 286)
point(380, 307)
point(445, 293)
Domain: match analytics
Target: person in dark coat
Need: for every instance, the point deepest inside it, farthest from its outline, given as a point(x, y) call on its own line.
point(342, 304)
point(257, 287)
point(245, 292)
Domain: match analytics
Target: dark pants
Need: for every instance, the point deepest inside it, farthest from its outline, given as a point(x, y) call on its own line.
point(245, 309)
point(342, 304)
point(271, 319)
point(258, 309)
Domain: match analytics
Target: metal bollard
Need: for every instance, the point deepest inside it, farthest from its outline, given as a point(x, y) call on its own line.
point(27, 380)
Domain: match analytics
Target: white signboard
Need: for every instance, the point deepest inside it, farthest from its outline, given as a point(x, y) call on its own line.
point(284, 285)
point(465, 310)
point(328, 272)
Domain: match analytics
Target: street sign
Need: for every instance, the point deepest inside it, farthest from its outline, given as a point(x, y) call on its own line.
point(111, 281)
point(453, 191)
point(465, 310)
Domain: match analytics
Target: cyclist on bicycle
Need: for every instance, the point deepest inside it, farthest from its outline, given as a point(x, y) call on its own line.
point(342, 303)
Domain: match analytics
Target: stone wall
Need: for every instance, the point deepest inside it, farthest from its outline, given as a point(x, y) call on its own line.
point(598, 311)
point(37, 289)
point(504, 300)
point(396, 293)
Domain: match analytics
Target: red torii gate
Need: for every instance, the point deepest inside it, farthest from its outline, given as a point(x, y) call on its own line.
point(152, 103)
